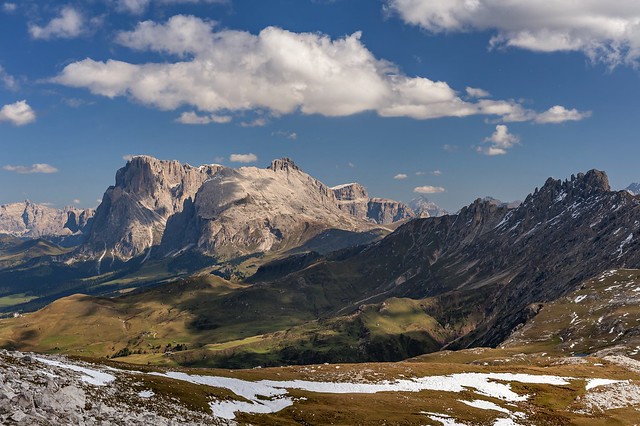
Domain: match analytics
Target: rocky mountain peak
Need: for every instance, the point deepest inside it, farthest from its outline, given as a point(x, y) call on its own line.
point(633, 189)
point(283, 164)
point(425, 208)
point(350, 191)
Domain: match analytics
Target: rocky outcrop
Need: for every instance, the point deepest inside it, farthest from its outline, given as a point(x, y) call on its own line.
point(251, 210)
point(215, 210)
point(384, 211)
point(31, 220)
point(133, 213)
point(422, 207)
point(40, 390)
point(354, 199)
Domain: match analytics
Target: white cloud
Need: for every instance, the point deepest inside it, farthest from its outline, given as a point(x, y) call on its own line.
point(605, 31)
point(136, 7)
point(559, 114)
point(9, 7)
point(7, 80)
point(500, 141)
point(76, 201)
point(69, 24)
point(400, 176)
point(473, 92)
point(258, 122)
point(191, 117)
point(428, 189)
point(286, 134)
point(243, 158)
point(277, 72)
point(18, 113)
point(436, 172)
point(450, 148)
point(34, 168)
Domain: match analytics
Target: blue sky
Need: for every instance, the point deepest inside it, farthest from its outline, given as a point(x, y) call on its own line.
point(352, 90)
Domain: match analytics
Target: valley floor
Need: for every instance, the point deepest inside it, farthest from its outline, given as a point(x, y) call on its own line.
point(471, 387)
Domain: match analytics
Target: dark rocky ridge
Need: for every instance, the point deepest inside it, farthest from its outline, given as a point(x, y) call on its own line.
point(562, 234)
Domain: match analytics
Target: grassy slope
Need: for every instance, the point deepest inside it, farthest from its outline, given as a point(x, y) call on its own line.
point(603, 313)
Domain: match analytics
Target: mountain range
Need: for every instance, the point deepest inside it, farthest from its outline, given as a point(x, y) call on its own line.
point(267, 266)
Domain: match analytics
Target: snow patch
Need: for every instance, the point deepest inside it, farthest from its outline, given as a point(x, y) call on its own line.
point(92, 377)
point(594, 383)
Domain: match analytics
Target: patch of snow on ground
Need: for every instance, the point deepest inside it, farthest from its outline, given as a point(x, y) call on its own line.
point(580, 298)
point(93, 377)
point(442, 419)
point(594, 383)
point(146, 394)
point(485, 405)
point(269, 396)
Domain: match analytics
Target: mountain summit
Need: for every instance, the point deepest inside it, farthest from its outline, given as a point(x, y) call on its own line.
point(169, 207)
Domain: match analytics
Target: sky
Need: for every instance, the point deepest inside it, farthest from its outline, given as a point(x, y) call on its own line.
point(450, 99)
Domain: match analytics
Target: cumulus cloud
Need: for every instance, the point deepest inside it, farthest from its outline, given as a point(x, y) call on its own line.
point(604, 31)
point(18, 113)
point(400, 176)
point(69, 24)
point(499, 142)
point(9, 7)
point(473, 92)
point(436, 172)
point(276, 71)
point(34, 168)
point(559, 114)
point(136, 7)
point(243, 158)
point(76, 201)
point(7, 80)
point(191, 117)
point(428, 189)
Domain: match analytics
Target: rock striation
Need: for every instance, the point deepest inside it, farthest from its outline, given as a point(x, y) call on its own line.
point(32, 220)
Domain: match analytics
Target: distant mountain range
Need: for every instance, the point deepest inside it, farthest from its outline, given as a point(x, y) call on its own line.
point(313, 291)
point(163, 208)
point(30, 220)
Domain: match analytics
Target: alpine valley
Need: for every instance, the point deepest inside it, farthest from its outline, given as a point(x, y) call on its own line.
point(502, 313)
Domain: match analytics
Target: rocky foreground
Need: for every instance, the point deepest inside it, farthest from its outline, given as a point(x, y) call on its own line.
point(34, 392)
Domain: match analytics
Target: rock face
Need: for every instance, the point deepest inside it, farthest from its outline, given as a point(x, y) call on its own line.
point(422, 207)
point(216, 210)
point(134, 212)
point(248, 210)
point(384, 211)
point(354, 199)
point(31, 220)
